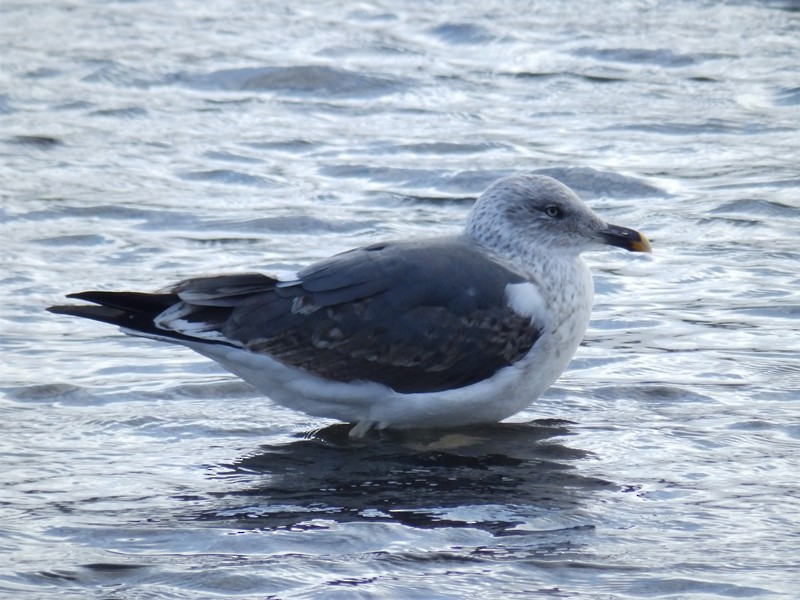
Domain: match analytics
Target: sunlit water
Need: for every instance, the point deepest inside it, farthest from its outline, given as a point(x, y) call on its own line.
point(147, 141)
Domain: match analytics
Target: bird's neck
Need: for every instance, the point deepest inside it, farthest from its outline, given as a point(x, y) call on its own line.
point(532, 260)
point(562, 277)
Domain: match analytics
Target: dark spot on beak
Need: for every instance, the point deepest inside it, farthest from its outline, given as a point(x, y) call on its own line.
point(622, 237)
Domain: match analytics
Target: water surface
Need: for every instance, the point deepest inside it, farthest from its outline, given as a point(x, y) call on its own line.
point(144, 142)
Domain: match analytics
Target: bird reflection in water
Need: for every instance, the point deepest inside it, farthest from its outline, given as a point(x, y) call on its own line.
point(489, 477)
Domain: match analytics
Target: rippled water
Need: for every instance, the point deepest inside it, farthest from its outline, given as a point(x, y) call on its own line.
point(143, 142)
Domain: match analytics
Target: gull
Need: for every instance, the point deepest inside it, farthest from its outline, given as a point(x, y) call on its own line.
point(427, 333)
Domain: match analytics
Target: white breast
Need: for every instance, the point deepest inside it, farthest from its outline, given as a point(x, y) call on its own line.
point(525, 300)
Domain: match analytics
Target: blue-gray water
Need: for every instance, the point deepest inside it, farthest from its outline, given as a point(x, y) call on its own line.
point(142, 142)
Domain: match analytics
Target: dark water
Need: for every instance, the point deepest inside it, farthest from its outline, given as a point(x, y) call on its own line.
point(143, 142)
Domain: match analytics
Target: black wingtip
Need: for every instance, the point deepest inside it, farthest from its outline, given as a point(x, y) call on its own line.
point(125, 309)
point(103, 314)
point(80, 295)
point(135, 302)
point(132, 322)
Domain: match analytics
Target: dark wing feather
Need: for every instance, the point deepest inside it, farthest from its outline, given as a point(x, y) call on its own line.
point(415, 316)
point(137, 311)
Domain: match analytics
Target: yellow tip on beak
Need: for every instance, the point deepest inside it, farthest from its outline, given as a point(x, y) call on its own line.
point(622, 237)
point(641, 245)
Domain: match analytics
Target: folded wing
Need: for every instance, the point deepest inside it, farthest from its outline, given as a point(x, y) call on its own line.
point(415, 316)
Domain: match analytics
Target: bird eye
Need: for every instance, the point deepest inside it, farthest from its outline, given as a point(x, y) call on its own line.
point(553, 211)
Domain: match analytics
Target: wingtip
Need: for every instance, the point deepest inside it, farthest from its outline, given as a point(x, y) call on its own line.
point(81, 310)
point(72, 309)
point(93, 296)
point(56, 309)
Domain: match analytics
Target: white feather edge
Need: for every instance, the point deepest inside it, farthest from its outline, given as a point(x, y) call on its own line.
point(173, 319)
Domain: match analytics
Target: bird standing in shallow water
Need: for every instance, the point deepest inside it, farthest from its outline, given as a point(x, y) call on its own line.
point(439, 332)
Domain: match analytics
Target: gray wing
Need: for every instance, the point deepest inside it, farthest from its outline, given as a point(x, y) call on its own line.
point(417, 317)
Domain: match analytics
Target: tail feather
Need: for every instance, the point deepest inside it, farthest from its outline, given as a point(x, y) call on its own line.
point(134, 312)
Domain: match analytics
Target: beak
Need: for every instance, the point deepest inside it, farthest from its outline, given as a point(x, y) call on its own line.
point(622, 237)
